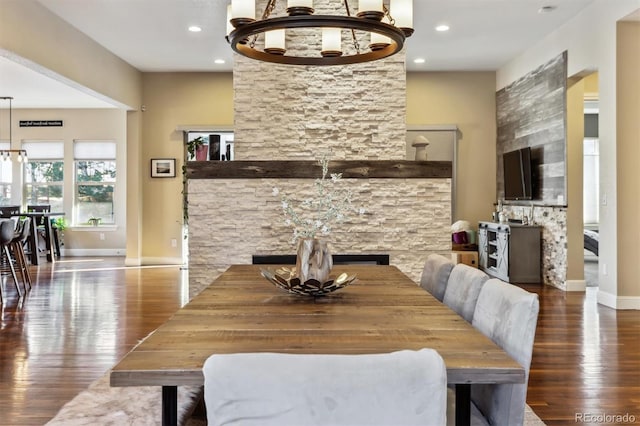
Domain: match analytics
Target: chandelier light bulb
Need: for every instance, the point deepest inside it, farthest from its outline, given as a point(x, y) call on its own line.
point(19, 157)
point(243, 11)
point(331, 42)
point(370, 9)
point(299, 7)
point(379, 41)
point(402, 13)
point(274, 42)
point(229, 17)
point(24, 157)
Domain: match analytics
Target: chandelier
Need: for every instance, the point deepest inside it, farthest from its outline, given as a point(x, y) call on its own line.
point(6, 154)
point(382, 29)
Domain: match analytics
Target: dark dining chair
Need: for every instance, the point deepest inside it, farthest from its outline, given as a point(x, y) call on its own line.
point(9, 211)
point(17, 250)
point(7, 233)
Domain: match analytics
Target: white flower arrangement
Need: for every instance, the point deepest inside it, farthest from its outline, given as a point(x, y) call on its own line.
point(317, 214)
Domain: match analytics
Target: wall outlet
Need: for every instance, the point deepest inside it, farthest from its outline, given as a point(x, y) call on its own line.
point(604, 269)
point(604, 199)
point(102, 236)
point(174, 242)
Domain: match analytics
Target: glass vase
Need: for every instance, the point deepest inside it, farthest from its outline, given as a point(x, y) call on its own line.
point(313, 260)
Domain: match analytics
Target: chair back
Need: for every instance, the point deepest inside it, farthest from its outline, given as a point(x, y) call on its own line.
point(9, 211)
point(263, 389)
point(39, 208)
point(463, 289)
point(508, 315)
point(7, 231)
point(435, 275)
point(25, 230)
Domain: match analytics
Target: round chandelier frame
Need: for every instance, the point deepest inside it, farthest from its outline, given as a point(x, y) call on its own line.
point(242, 39)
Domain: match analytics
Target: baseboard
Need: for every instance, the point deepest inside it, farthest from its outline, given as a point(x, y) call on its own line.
point(129, 261)
point(618, 302)
point(132, 261)
point(575, 285)
point(92, 252)
point(629, 302)
point(161, 260)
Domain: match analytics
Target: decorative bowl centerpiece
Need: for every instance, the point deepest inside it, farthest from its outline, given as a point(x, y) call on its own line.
point(287, 280)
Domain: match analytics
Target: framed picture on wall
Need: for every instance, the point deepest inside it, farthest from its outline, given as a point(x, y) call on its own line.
point(163, 167)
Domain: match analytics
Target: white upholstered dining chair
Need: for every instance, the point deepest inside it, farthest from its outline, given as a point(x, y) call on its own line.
point(435, 275)
point(262, 389)
point(508, 315)
point(463, 289)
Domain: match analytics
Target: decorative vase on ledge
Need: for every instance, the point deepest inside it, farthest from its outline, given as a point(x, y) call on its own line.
point(313, 260)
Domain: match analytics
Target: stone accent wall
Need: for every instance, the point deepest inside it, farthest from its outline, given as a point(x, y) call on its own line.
point(554, 240)
point(232, 219)
point(296, 112)
point(532, 112)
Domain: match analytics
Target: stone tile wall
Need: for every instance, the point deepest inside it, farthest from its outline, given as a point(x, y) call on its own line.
point(232, 219)
point(554, 240)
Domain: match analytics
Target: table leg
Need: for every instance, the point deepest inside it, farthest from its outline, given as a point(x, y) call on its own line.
point(169, 406)
point(48, 234)
point(463, 404)
point(33, 241)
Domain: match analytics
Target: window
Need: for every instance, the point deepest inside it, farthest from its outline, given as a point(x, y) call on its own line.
point(44, 174)
point(95, 181)
point(6, 177)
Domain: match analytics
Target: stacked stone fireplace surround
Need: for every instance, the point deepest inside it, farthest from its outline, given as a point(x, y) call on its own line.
point(355, 112)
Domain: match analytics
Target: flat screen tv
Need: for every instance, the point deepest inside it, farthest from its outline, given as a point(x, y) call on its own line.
point(518, 184)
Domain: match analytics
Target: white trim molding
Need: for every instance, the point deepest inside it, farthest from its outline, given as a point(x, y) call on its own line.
point(618, 302)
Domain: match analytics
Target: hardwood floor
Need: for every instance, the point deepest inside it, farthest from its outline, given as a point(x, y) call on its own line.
point(84, 314)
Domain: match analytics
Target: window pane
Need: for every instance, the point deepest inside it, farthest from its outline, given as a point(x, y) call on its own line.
point(5, 193)
point(44, 171)
point(95, 171)
point(94, 201)
point(44, 194)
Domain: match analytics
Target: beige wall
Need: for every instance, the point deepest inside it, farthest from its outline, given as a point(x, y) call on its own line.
point(628, 155)
point(468, 100)
point(171, 100)
point(575, 161)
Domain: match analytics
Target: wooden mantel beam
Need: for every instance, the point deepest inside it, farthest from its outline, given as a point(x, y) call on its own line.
point(301, 169)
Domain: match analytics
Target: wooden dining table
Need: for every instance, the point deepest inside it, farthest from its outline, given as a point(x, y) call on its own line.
point(45, 218)
point(382, 311)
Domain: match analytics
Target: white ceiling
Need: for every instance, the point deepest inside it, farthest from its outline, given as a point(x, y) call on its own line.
point(152, 35)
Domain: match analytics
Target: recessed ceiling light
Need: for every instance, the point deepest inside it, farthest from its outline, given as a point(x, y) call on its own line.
point(442, 28)
point(419, 61)
point(195, 29)
point(547, 9)
point(219, 61)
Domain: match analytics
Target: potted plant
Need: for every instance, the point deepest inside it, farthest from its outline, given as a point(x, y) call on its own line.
point(94, 221)
point(197, 149)
point(59, 225)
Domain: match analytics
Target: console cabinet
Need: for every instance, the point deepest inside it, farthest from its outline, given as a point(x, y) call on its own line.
point(511, 252)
